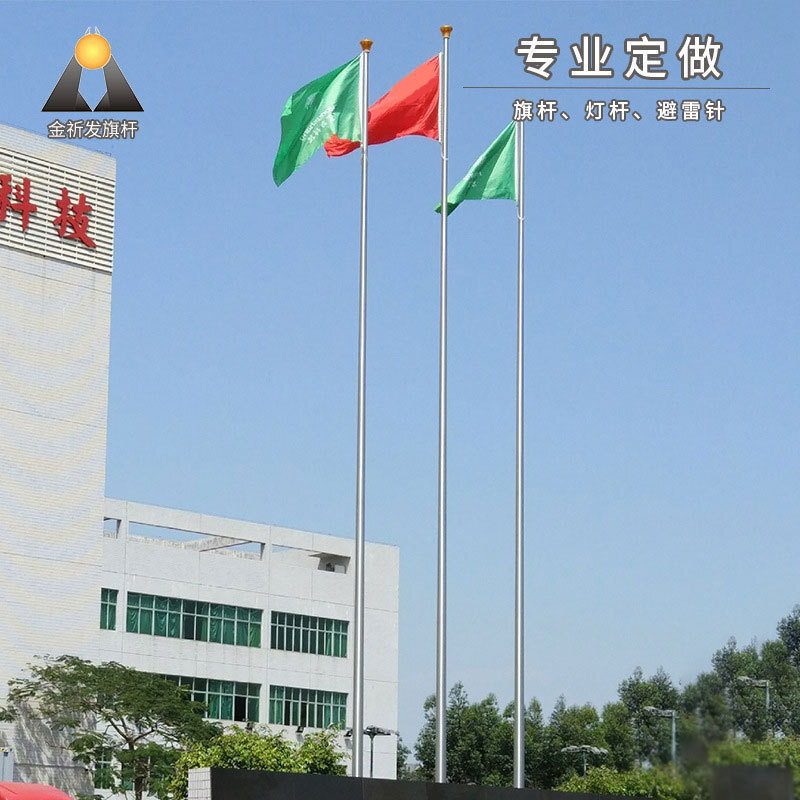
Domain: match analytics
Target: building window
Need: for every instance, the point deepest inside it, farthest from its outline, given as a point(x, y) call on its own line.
point(103, 770)
point(305, 634)
point(108, 609)
point(226, 700)
point(311, 708)
point(192, 619)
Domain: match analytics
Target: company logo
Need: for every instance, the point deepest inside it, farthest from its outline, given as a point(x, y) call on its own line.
point(92, 52)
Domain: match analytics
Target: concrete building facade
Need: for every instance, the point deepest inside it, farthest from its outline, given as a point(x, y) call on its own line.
point(254, 618)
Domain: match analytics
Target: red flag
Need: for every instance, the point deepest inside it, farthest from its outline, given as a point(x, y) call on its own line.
point(409, 108)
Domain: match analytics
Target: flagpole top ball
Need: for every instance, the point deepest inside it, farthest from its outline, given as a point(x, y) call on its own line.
point(446, 31)
point(366, 45)
point(92, 51)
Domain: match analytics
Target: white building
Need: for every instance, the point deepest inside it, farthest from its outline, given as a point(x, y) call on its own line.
point(254, 617)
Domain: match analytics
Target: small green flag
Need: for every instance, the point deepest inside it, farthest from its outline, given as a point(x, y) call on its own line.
point(492, 175)
point(322, 108)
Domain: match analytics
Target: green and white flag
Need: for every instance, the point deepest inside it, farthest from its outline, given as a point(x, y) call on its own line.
point(492, 176)
point(322, 108)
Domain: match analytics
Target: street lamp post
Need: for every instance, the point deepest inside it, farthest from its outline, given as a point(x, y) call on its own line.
point(583, 749)
point(759, 683)
point(372, 731)
point(672, 714)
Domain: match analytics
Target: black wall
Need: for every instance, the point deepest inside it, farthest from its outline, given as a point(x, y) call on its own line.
point(752, 783)
point(236, 784)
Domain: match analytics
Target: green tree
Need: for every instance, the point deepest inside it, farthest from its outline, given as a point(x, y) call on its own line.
point(747, 713)
point(569, 725)
point(110, 711)
point(403, 752)
point(535, 752)
point(618, 734)
point(318, 754)
point(260, 749)
point(658, 784)
point(705, 712)
point(773, 661)
point(503, 764)
point(772, 752)
point(789, 634)
point(476, 737)
point(651, 734)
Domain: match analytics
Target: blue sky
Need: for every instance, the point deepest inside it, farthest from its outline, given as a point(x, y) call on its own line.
point(662, 388)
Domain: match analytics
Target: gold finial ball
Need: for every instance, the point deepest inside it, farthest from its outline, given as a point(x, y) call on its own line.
point(366, 44)
point(92, 51)
point(446, 31)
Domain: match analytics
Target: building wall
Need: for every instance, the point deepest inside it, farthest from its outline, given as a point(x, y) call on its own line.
point(56, 552)
point(54, 338)
point(284, 570)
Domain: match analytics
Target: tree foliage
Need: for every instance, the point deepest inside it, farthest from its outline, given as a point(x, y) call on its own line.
point(403, 752)
point(480, 741)
point(618, 735)
point(259, 749)
point(111, 711)
point(717, 712)
point(474, 740)
point(771, 752)
point(658, 784)
point(651, 734)
point(789, 634)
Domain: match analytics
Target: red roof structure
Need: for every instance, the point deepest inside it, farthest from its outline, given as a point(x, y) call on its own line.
point(31, 791)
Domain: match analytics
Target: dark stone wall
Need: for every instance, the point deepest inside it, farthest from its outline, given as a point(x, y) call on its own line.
point(729, 783)
point(234, 784)
point(752, 783)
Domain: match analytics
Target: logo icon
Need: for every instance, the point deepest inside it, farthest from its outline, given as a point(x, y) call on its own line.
point(92, 52)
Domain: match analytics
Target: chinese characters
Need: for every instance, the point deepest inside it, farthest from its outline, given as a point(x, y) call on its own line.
point(614, 110)
point(72, 221)
point(698, 57)
point(93, 129)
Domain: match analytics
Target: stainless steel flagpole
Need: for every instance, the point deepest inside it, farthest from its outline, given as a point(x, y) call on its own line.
point(441, 597)
point(358, 613)
point(519, 616)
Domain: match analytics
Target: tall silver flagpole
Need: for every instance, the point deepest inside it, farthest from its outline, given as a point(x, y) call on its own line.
point(358, 613)
point(519, 617)
point(441, 597)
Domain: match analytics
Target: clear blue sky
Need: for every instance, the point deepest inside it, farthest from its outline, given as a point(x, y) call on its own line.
point(663, 452)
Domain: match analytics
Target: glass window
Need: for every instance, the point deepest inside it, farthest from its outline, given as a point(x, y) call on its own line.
point(145, 620)
point(173, 624)
point(213, 706)
point(184, 619)
point(307, 634)
point(132, 615)
point(160, 622)
point(103, 770)
point(225, 700)
point(242, 632)
point(309, 707)
point(108, 609)
point(215, 625)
